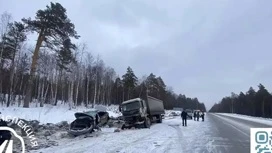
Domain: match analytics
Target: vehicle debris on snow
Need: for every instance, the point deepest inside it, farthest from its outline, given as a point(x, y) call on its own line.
point(86, 122)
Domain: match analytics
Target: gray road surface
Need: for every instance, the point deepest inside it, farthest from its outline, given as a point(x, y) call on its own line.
point(226, 135)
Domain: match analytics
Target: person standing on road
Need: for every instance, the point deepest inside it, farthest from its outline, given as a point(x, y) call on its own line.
point(194, 115)
point(184, 118)
point(197, 116)
point(202, 116)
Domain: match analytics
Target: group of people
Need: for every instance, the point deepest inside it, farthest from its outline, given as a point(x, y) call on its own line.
point(196, 115)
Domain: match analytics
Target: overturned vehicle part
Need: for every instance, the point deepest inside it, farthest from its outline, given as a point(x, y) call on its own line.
point(86, 122)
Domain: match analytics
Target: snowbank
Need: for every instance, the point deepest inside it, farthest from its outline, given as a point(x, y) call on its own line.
point(49, 113)
point(113, 111)
point(173, 121)
point(249, 118)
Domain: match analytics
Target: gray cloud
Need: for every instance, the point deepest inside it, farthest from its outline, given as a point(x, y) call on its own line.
point(204, 49)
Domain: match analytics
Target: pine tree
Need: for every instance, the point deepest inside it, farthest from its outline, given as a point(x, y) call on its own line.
point(65, 55)
point(162, 89)
point(252, 103)
point(250, 95)
point(262, 99)
point(117, 91)
point(129, 81)
point(53, 27)
point(13, 42)
point(152, 86)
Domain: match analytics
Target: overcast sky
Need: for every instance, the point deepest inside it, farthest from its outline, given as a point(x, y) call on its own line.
point(201, 48)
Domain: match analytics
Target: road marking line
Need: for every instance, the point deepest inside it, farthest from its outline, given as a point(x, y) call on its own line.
point(228, 123)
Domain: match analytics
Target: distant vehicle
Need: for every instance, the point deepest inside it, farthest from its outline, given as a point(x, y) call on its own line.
point(178, 109)
point(139, 112)
point(86, 122)
point(175, 113)
point(190, 113)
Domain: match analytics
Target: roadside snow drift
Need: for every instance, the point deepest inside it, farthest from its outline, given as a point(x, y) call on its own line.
point(49, 113)
point(249, 118)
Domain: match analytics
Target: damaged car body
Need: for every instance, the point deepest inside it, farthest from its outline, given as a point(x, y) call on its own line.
point(86, 122)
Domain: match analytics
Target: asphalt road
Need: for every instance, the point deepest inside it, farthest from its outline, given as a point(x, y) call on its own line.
point(229, 134)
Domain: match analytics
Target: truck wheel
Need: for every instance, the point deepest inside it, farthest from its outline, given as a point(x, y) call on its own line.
point(147, 123)
point(159, 119)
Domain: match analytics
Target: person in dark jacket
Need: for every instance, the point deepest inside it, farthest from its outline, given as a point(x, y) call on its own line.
point(184, 118)
point(194, 115)
point(197, 116)
point(202, 116)
point(4, 135)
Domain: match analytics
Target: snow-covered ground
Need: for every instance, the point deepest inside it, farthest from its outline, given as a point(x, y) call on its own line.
point(49, 113)
point(170, 136)
point(249, 118)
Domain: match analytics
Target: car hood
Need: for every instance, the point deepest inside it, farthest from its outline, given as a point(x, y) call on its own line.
point(85, 114)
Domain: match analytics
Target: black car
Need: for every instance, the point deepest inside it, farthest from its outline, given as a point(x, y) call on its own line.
point(86, 122)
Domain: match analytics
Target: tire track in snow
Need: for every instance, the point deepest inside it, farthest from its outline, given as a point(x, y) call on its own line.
point(160, 140)
point(171, 144)
point(180, 137)
point(128, 144)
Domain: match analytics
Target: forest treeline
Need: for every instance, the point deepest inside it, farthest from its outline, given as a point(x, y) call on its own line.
point(58, 69)
point(253, 103)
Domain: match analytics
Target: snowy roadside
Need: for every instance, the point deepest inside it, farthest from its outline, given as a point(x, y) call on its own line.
point(130, 140)
point(53, 137)
point(49, 135)
point(169, 136)
point(51, 114)
point(249, 118)
point(59, 113)
point(50, 123)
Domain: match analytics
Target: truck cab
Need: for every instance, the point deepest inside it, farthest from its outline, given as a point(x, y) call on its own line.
point(139, 111)
point(133, 107)
point(134, 111)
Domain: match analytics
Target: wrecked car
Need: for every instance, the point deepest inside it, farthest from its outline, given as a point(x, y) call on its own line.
point(86, 122)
